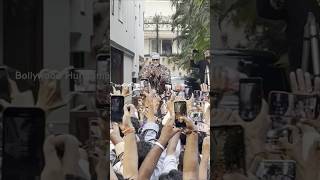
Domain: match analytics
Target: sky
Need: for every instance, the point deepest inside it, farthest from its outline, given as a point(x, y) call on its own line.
point(163, 7)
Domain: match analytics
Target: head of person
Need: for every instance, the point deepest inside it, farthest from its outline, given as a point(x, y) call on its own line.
point(207, 55)
point(143, 150)
point(172, 175)
point(155, 59)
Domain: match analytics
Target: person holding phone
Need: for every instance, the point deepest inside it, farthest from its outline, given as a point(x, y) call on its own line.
point(295, 13)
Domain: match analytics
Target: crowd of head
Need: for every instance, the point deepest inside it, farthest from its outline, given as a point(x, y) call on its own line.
point(161, 135)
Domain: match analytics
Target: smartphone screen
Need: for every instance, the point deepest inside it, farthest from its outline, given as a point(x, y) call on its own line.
point(305, 106)
point(168, 88)
point(4, 84)
point(23, 138)
point(279, 103)
point(293, 105)
point(180, 109)
point(197, 116)
point(103, 81)
point(188, 92)
point(228, 150)
point(197, 95)
point(117, 103)
point(250, 100)
point(276, 169)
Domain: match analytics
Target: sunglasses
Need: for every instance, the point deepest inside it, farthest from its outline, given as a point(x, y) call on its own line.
point(155, 59)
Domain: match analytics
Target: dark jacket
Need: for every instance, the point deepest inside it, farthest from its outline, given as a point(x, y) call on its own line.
point(201, 66)
point(295, 13)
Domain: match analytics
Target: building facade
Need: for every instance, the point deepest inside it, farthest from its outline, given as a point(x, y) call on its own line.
point(157, 23)
point(126, 39)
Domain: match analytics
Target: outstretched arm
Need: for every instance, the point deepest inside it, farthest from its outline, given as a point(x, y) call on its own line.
point(150, 162)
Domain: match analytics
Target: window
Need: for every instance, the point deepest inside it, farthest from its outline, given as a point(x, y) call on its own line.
point(112, 7)
point(167, 47)
point(120, 11)
point(154, 45)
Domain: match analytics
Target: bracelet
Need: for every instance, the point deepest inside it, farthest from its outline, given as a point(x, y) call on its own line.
point(128, 131)
point(160, 145)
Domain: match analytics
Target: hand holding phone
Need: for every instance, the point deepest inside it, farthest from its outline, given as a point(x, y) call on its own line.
point(180, 110)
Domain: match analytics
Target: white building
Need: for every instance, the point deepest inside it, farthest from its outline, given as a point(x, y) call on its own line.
point(126, 38)
point(167, 44)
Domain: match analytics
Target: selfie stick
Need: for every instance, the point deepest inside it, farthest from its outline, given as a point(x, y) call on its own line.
point(311, 36)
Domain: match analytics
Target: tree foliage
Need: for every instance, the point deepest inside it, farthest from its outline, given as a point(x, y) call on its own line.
point(192, 22)
point(261, 34)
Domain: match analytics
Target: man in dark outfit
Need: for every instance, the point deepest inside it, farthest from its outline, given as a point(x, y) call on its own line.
point(295, 13)
point(202, 66)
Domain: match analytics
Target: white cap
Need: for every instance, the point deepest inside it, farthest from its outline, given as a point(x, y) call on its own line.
point(155, 56)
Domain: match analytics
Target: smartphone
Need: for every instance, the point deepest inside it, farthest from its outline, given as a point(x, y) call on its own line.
point(103, 87)
point(82, 80)
point(276, 169)
point(250, 100)
point(117, 103)
point(4, 84)
point(228, 150)
point(168, 89)
point(279, 103)
point(197, 116)
point(136, 92)
point(180, 109)
point(305, 106)
point(188, 92)
point(22, 145)
point(197, 95)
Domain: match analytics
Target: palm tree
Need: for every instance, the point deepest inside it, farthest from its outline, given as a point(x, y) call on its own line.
point(192, 22)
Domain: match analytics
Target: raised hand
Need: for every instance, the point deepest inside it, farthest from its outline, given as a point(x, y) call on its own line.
point(17, 98)
point(57, 167)
point(50, 95)
point(301, 83)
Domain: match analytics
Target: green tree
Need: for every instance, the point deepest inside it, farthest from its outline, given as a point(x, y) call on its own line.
point(192, 23)
point(261, 34)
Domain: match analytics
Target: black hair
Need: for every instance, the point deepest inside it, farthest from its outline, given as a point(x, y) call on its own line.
point(172, 175)
point(143, 150)
point(136, 124)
